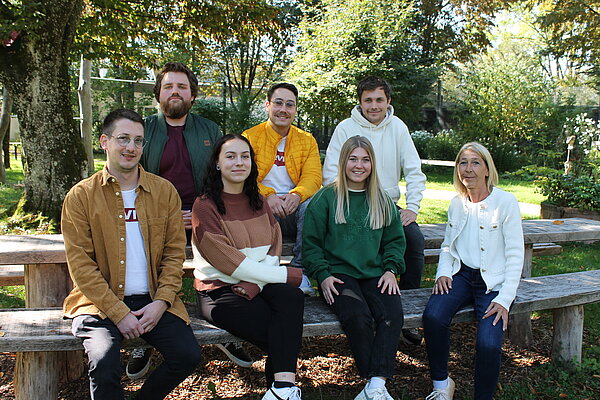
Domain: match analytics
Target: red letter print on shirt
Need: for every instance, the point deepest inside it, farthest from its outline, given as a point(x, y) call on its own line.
point(130, 215)
point(280, 159)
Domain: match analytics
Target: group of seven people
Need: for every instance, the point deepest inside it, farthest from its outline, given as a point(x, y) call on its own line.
point(234, 198)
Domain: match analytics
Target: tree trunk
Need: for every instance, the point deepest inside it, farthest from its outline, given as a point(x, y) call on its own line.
point(85, 110)
point(4, 125)
point(6, 150)
point(36, 75)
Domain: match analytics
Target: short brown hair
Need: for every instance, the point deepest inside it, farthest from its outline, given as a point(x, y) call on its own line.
point(108, 125)
point(282, 85)
point(372, 83)
point(176, 67)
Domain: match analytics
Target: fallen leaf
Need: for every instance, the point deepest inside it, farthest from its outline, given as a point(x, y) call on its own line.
point(557, 222)
point(563, 395)
point(2, 333)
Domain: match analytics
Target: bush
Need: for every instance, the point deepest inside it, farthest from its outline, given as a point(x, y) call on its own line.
point(421, 139)
point(441, 146)
point(571, 191)
point(580, 188)
point(530, 173)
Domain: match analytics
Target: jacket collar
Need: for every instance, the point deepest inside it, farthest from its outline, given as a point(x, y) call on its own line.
point(142, 180)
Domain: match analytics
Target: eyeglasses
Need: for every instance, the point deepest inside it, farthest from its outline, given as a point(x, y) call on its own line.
point(124, 140)
point(280, 103)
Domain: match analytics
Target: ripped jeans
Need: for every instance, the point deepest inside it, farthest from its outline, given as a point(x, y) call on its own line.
point(372, 321)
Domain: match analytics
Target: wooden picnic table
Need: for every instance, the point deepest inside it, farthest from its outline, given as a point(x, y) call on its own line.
point(47, 280)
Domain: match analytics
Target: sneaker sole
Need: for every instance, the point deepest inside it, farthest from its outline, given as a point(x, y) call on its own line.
point(140, 374)
point(238, 361)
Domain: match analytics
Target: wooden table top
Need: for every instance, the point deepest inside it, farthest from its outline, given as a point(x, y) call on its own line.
point(49, 249)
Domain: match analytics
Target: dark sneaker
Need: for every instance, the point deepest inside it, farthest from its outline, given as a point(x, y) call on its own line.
point(139, 363)
point(236, 353)
point(411, 336)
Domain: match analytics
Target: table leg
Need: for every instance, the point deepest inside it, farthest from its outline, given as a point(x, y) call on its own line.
point(40, 372)
point(519, 328)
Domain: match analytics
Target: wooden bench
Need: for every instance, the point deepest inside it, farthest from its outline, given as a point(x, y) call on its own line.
point(47, 282)
point(44, 330)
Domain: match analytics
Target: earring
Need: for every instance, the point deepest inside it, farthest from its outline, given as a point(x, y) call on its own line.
point(218, 167)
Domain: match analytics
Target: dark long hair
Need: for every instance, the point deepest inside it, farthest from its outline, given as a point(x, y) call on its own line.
point(213, 185)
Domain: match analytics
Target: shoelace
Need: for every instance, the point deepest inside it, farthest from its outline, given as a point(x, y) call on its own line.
point(437, 394)
point(237, 345)
point(138, 353)
point(378, 393)
point(295, 393)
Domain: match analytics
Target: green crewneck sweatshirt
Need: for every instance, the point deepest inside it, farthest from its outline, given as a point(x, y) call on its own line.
point(352, 248)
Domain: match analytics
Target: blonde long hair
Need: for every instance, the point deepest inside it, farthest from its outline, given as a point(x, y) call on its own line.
point(381, 207)
point(491, 180)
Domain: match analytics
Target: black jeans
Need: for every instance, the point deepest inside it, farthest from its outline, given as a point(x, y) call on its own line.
point(272, 321)
point(372, 322)
point(172, 337)
point(414, 257)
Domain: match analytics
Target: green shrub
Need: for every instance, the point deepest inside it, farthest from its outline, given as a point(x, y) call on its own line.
point(444, 146)
point(421, 139)
point(571, 190)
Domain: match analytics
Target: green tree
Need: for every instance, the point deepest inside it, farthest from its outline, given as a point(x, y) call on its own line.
point(33, 67)
point(343, 41)
point(573, 27)
point(36, 39)
point(506, 102)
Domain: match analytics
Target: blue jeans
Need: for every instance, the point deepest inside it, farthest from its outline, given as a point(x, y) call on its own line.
point(172, 337)
point(372, 321)
point(291, 228)
point(468, 287)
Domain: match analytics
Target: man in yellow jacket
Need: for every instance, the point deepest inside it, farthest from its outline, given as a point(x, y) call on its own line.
point(289, 166)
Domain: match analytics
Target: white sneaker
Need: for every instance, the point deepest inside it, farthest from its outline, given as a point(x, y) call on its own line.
point(306, 287)
point(380, 393)
point(443, 394)
point(291, 393)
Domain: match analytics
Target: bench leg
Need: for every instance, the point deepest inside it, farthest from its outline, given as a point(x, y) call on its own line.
point(519, 327)
point(568, 334)
point(47, 286)
point(37, 375)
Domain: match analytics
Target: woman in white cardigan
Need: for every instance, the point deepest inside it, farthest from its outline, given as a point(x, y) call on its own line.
point(480, 264)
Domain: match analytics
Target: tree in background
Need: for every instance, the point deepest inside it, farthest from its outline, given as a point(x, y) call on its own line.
point(408, 42)
point(343, 41)
point(33, 67)
point(36, 40)
point(251, 64)
point(573, 27)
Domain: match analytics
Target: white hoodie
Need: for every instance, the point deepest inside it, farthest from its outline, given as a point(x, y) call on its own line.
point(394, 152)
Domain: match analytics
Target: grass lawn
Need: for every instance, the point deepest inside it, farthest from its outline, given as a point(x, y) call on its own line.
point(440, 178)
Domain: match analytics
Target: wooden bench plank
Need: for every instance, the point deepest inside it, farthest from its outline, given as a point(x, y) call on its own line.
point(12, 275)
point(25, 330)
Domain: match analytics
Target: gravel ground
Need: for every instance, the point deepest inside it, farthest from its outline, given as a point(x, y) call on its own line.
point(326, 370)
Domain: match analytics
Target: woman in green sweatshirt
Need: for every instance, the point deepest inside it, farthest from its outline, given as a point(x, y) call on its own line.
point(353, 245)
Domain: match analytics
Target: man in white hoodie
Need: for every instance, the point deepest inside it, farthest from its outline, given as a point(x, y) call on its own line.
point(396, 155)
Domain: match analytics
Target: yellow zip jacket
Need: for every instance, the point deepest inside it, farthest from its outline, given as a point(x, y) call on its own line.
point(302, 159)
point(93, 226)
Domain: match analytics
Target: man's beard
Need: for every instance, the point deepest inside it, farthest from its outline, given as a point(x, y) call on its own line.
point(176, 110)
